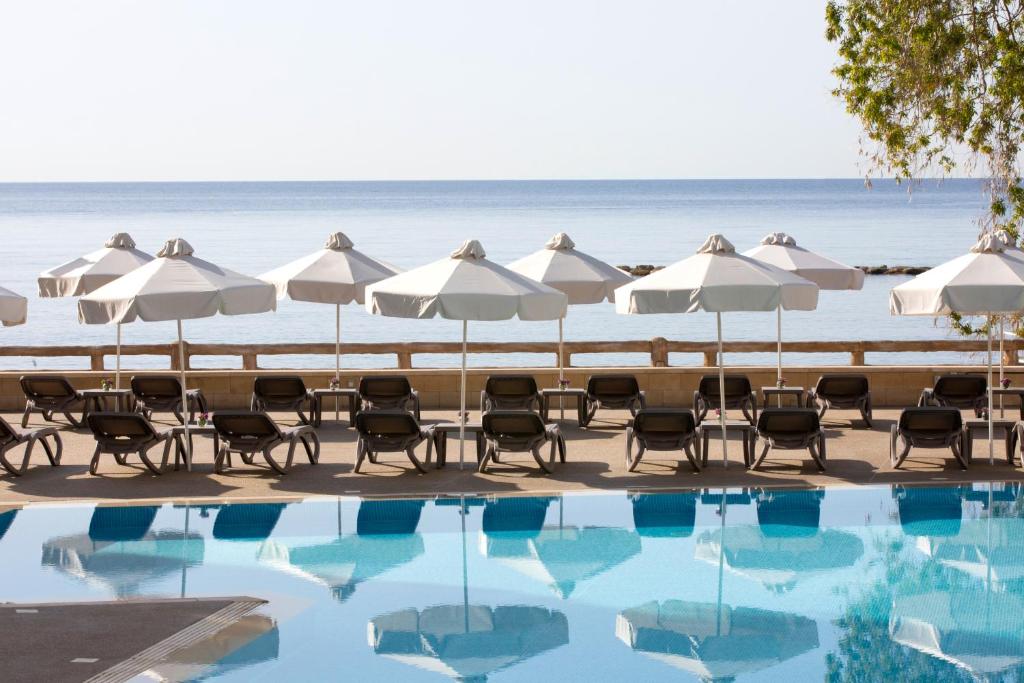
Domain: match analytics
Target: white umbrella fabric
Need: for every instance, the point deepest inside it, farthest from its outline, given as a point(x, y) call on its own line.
point(464, 286)
point(781, 250)
point(176, 285)
point(1016, 252)
point(718, 280)
point(13, 308)
point(336, 274)
point(581, 277)
point(85, 274)
point(985, 281)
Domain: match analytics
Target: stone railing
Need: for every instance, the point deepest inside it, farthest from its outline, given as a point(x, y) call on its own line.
point(658, 349)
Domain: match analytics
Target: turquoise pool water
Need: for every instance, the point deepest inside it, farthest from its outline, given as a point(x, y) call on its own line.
point(840, 585)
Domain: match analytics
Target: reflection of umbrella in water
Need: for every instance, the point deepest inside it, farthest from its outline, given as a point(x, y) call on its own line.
point(778, 561)
point(985, 551)
point(385, 538)
point(467, 642)
point(563, 557)
point(252, 639)
point(952, 627)
point(123, 566)
point(715, 642)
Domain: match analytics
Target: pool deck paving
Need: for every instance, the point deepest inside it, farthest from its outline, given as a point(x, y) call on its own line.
point(595, 461)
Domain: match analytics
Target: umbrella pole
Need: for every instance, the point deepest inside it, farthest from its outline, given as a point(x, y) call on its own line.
point(722, 507)
point(561, 372)
point(184, 399)
point(991, 446)
point(1002, 414)
point(778, 331)
point(184, 550)
point(117, 367)
point(721, 393)
point(462, 398)
point(337, 355)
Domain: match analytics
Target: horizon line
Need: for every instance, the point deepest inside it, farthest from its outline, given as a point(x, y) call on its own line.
point(493, 180)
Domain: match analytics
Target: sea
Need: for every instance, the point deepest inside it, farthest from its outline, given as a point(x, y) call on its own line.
point(252, 227)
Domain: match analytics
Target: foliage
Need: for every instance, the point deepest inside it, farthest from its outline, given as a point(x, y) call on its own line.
point(938, 86)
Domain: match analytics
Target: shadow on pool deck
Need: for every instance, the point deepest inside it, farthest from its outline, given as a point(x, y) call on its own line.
point(595, 461)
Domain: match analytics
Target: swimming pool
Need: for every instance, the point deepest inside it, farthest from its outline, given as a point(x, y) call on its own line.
point(846, 584)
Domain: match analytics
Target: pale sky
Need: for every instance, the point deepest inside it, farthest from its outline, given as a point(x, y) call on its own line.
point(407, 89)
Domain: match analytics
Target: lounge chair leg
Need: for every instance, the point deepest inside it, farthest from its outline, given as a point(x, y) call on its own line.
point(360, 454)
point(816, 457)
point(274, 465)
point(24, 417)
point(958, 455)
point(312, 452)
point(144, 455)
point(764, 453)
point(540, 459)
point(561, 447)
point(488, 454)
point(8, 466)
point(694, 460)
point(410, 451)
point(95, 462)
point(634, 460)
point(903, 455)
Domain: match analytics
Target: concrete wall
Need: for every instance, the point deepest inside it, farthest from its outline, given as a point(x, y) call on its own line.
point(894, 386)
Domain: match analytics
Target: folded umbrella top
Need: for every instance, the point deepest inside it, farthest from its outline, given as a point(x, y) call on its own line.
point(90, 272)
point(987, 279)
point(583, 278)
point(176, 286)
point(465, 286)
point(336, 274)
point(781, 250)
point(716, 279)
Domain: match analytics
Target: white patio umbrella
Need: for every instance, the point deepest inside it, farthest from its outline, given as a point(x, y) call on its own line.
point(781, 250)
point(583, 278)
point(176, 286)
point(336, 274)
point(986, 281)
point(1016, 252)
point(718, 280)
point(90, 272)
point(13, 308)
point(464, 286)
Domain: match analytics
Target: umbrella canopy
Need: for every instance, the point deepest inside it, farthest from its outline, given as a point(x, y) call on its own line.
point(176, 285)
point(583, 278)
point(781, 250)
point(984, 550)
point(718, 280)
point(13, 308)
point(712, 642)
point(467, 643)
point(984, 281)
point(90, 272)
point(561, 558)
point(967, 628)
point(465, 286)
point(336, 274)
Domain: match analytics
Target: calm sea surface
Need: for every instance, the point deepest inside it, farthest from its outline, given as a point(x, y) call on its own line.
point(253, 227)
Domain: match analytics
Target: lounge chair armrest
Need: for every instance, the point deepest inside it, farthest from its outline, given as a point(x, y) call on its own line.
point(298, 430)
point(41, 433)
point(643, 398)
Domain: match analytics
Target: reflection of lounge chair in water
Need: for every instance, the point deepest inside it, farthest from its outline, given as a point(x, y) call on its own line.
point(467, 643)
point(6, 520)
point(664, 514)
point(929, 511)
point(789, 513)
point(388, 516)
point(715, 642)
point(121, 523)
point(245, 522)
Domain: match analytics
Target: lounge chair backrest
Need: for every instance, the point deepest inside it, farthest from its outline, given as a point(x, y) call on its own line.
point(512, 424)
point(121, 426)
point(279, 388)
point(931, 420)
point(786, 421)
point(245, 425)
point(511, 386)
point(651, 421)
point(851, 386)
point(961, 386)
point(615, 386)
point(384, 388)
point(46, 387)
point(156, 386)
point(736, 386)
point(388, 424)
